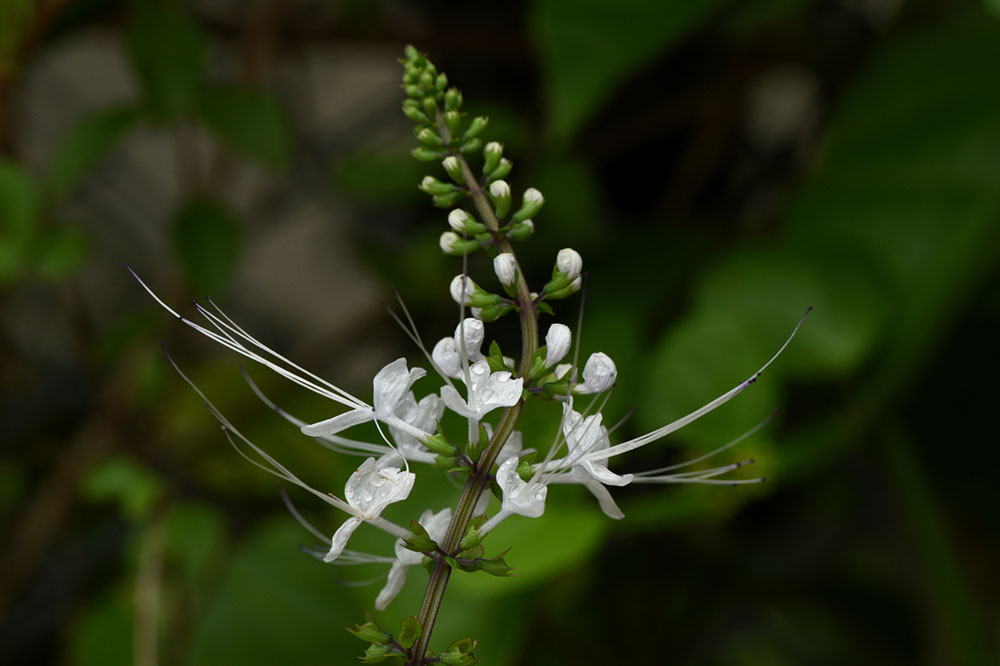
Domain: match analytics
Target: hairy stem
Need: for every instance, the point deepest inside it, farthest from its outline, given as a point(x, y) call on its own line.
point(478, 480)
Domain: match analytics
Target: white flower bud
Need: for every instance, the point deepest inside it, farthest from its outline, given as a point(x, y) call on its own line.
point(533, 196)
point(474, 334)
point(453, 168)
point(500, 188)
point(557, 342)
point(457, 219)
point(563, 369)
point(505, 267)
point(569, 263)
point(576, 284)
point(447, 241)
point(461, 288)
point(530, 224)
point(446, 357)
point(494, 148)
point(599, 374)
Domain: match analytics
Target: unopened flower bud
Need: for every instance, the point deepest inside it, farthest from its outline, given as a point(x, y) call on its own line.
point(473, 332)
point(457, 219)
point(453, 99)
point(453, 120)
point(522, 231)
point(505, 266)
point(433, 186)
point(448, 242)
point(531, 203)
point(476, 127)
point(429, 138)
point(462, 287)
point(557, 342)
point(453, 168)
point(415, 114)
point(576, 284)
point(500, 194)
point(502, 170)
point(569, 263)
point(599, 374)
point(491, 156)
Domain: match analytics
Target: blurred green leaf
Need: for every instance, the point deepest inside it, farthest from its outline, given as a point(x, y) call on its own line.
point(250, 121)
point(20, 210)
point(168, 53)
point(195, 546)
point(541, 548)
point(589, 47)
point(119, 479)
point(86, 143)
point(207, 239)
point(381, 177)
point(16, 17)
point(58, 253)
point(103, 635)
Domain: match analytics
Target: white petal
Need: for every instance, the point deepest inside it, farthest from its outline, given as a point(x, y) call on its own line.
point(557, 343)
point(391, 384)
point(519, 496)
point(511, 448)
point(454, 401)
point(340, 422)
point(604, 499)
point(371, 489)
point(599, 374)
point(394, 583)
point(341, 536)
point(604, 475)
point(491, 390)
point(474, 333)
point(446, 357)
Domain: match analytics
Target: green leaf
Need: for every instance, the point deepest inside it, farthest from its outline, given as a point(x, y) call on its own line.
point(60, 252)
point(589, 48)
point(119, 479)
point(410, 632)
point(86, 143)
point(250, 121)
point(207, 239)
point(168, 53)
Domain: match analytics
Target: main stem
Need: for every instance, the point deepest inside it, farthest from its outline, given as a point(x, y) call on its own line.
point(476, 484)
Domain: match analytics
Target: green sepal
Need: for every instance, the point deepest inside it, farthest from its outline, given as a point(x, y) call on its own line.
point(527, 210)
point(446, 462)
point(544, 308)
point(459, 653)
point(476, 127)
point(495, 358)
point(492, 159)
point(526, 466)
point(370, 632)
point(538, 368)
point(425, 154)
point(472, 145)
point(472, 537)
point(379, 652)
point(483, 299)
point(438, 443)
point(433, 186)
point(473, 449)
point(410, 632)
point(473, 553)
point(491, 313)
point(553, 389)
point(494, 566)
point(420, 542)
point(521, 232)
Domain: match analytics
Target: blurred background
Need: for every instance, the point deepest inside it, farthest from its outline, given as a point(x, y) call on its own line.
point(720, 165)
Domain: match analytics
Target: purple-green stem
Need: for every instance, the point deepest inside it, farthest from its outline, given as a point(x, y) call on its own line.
point(478, 480)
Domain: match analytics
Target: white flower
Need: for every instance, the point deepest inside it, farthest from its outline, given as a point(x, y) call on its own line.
point(533, 196)
point(447, 353)
point(585, 436)
point(505, 266)
point(519, 496)
point(487, 391)
point(569, 262)
point(436, 525)
point(462, 288)
point(424, 416)
point(390, 385)
point(369, 491)
point(447, 241)
point(598, 375)
point(457, 219)
point(557, 342)
point(500, 189)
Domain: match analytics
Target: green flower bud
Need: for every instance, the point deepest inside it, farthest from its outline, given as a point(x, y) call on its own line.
point(441, 82)
point(425, 154)
point(453, 168)
point(432, 185)
point(413, 90)
point(415, 114)
point(430, 106)
point(439, 444)
point(410, 51)
point(429, 138)
point(499, 192)
point(491, 156)
point(502, 170)
point(522, 231)
point(449, 200)
point(531, 203)
point(491, 313)
point(463, 223)
point(376, 653)
point(370, 631)
point(452, 99)
point(471, 146)
point(426, 79)
point(453, 119)
point(476, 127)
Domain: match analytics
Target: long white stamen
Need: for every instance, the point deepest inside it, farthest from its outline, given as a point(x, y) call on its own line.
point(696, 414)
point(301, 520)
